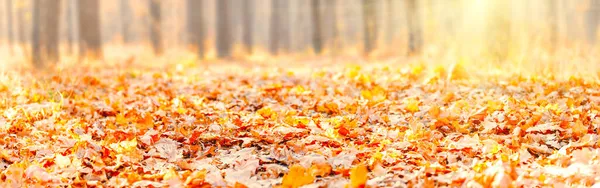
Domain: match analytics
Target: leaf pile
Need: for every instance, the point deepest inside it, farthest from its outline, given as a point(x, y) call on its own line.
point(335, 127)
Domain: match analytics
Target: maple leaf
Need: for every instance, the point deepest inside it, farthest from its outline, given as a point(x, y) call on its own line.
point(297, 176)
point(145, 123)
point(359, 176)
point(196, 178)
point(167, 149)
point(38, 173)
point(121, 120)
point(320, 169)
point(579, 129)
point(412, 105)
point(266, 112)
point(375, 95)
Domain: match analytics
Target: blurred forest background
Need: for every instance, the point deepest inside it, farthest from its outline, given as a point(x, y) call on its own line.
point(45, 31)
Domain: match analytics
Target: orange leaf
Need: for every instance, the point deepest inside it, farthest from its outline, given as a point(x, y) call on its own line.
point(239, 185)
point(359, 176)
point(296, 177)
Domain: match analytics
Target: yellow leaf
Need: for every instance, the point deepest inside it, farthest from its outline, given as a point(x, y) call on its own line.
point(375, 95)
point(296, 177)
point(265, 112)
point(171, 174)
point(120, 119)
point(412, 105)
point(359, 176)
point(124, 146)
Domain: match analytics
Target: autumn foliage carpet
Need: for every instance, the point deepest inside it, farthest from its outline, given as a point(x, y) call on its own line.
point(337, 126)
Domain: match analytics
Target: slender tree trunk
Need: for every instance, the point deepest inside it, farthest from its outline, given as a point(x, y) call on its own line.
point(284, 12)
point(124, 9)
point(21, 35)
point(415, 38)
point(592, 20)
point(317, 20)
point(36, 39)
point(51, 29)
point(248, 19)
point(391, 27)
point(195, 26)
point(45, 33)
point(223, 29)
point(9, 24)
point(334, 33)
point(90, 43)
point(69, 22)
point(155, 27)
point(369, 24)
point(569, 19)
point(275, 33)
point(499, 29)
point(553, 17)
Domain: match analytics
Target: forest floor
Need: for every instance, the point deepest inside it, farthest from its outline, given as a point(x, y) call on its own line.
point(384, 124)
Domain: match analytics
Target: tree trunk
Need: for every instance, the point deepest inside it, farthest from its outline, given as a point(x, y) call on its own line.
point(45, 33)
point(284, 12)
point(415, 38)
point(195, 26)
point(369, 24)
point(248, 19)
point(51, 29)
point(69, 21)
point(390, 17)
point(21, 25)
point(155, 27)
point(36, 39)
point(125, 12)
point(553, 17)
point(334, 33)
point(499, 29)
point(317, 20)
point(275, 26)
point(9, 24)
point(592, 20)
point(223, 29)
point(90, 43)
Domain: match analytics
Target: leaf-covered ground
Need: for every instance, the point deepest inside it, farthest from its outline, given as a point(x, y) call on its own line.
point(386, 126)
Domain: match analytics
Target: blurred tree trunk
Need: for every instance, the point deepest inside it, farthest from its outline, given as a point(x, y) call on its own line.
point(284, 12)
point(90, 44)
point(279, 26)
point(36, 39)
point(224, 40)
point(334, 33)
point(45, 31)
point(21, 25)
point(274, 27)
point(553, 18)
point(317, 20)
point(499, 29)
point(195, 26)
point(391, 26)
point(415, 38)
point(155, 26)
point(69, 21)
point(592, 20)
point(9, 24)
point(369, 24)
point(248, 24)
point(51, 29)
point(125, 11)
